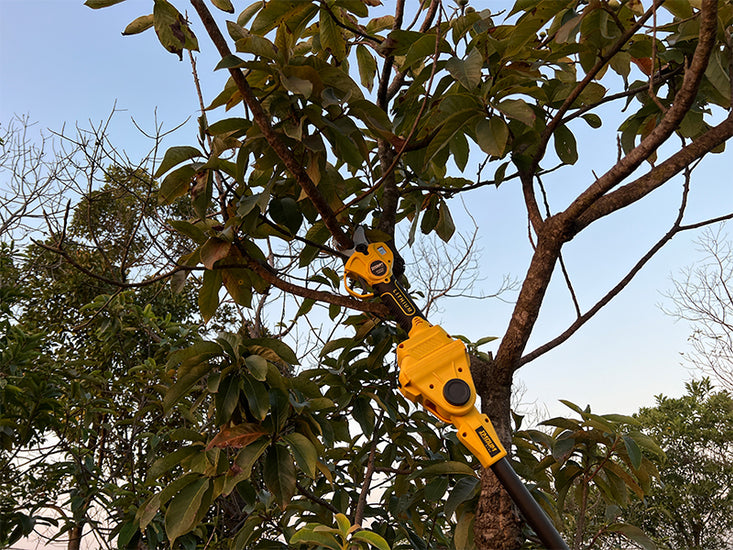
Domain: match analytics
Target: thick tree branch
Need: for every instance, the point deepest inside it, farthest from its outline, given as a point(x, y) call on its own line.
point(658, 175)
point(558, 229)
point(273, 139)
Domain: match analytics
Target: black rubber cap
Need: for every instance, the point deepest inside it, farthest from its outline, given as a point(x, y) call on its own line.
point(457, 392)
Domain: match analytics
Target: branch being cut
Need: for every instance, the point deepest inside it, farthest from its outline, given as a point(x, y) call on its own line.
point(273, 139)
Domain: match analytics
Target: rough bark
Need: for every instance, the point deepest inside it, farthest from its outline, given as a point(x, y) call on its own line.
point(497, 524)
point(75, 534)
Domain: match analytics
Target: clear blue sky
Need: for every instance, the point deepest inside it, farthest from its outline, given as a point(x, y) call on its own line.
point(63, 63)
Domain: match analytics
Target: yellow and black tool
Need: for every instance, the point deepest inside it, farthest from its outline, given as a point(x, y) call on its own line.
point(435, 373)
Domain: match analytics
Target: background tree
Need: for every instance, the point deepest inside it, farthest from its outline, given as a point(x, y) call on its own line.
point(321, 147)
point(80, 360)
point(702, 296)
point(691, 506)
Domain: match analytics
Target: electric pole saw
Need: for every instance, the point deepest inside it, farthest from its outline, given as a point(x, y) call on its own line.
point(435, 373)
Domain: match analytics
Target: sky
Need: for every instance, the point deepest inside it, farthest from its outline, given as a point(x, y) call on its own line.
point(62, 63)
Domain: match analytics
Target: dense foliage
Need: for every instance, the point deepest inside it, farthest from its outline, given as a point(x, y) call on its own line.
point(345, 115)
point(691, 506)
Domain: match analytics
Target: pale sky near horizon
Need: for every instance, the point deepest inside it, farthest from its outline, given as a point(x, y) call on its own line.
point(63, 63)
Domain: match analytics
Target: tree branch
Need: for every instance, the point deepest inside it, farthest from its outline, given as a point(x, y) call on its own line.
point(669, 123)
point(657, 176)
point(589, 77)
point(361, 504)
point(375, 308)
point(676, 228)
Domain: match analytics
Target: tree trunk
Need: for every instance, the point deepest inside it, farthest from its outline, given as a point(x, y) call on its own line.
point(497, 525)
point(75, 537)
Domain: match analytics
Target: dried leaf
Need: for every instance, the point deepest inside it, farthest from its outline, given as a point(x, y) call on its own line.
point(237, 436)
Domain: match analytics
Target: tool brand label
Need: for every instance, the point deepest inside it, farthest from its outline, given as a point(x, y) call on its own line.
point(402, 301)
point(492, 447)
point(378, 268)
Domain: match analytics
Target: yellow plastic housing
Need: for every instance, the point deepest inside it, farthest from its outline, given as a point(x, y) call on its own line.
point(373, 266)
point(430, 358)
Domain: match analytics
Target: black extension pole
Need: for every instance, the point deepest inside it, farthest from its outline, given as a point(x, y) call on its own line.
point(531, 511)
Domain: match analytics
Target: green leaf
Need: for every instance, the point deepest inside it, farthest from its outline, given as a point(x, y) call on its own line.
point(275, 12)
point(633, 451)
point(257, 45)
point(190, 372)
point(176, 184)
point(422, 50)
point(717, 73)
point(248, 456)
point(172, 29)
point(229, 125)
point(279, 474)
point(492, 136)
point(230, 62)
point(463, 536)
point(304, 452)
point(227, 399)
point(209, 294)
point(213, 250)
point(445, 226)
point(372, 538)
point(565, 145)
point(450, 127)
point(238, 284)
point(175, 156)
point(183, 509)
point(142, 23)
point(168, 462)
point(443, 468)
point(465, 489)
point(517, 109)
point(258, 397)
point(282, 350)
point(633, 533)
point(285, 212)
point(320, 538)
point(96, 4)
point(563, 448)
point(147, 511)
point(367, 66)
point(648, 443)
point(331, 38)
point(682, 9)
point(296, 85)
point(343, 523)
point(467, 71)
point(191, 230)
point(224, 5)
point(257, 366)
point(593, 120)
